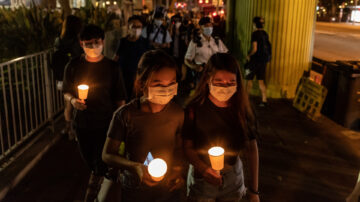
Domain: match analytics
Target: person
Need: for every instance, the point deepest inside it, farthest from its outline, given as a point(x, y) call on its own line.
point(219, 28)
point(151, 123)
point(67, 46)
point(157, 33)
point(202, 47)
point(259, 55)
point(113, 35)
point(106, 93)
point(129, 52)
point(219, 114)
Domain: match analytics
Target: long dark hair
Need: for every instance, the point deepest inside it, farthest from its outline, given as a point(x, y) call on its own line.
point(239, 101)
point(151, 62)
point(71, 27)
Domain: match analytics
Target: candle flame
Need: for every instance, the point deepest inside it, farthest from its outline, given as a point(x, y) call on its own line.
point(216, 151)
point(83, 87)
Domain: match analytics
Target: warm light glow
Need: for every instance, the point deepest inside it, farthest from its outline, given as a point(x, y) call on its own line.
point(107, 2)
point(157, 169)
point(207, 1)
point(222, 11)
point(216, 151)
point(83, 91)
point(97, 4)
point(216, 155)
point(200, 1)
point(115, 2)
point(352, 2)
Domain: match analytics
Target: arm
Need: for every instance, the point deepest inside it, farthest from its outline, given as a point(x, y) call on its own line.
point(254, 48)
point(207, 172)
point(252, 157)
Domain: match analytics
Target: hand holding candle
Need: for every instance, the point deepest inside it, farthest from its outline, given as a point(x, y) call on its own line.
point(216, 155)
point(83, 92)
point(157, 169)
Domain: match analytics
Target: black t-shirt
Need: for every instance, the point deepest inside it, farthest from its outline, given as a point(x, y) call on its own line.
point(129, 53)
point(261, 37)
point(208, 125)
point(106, 87)
point(144, 132)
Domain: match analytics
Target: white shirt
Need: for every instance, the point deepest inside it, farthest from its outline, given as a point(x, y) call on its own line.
point(202, 54)
point(159, 38)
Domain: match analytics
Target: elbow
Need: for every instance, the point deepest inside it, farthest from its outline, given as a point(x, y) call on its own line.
point(105, 157)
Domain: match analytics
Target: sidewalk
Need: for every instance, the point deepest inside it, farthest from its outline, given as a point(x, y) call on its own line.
point(300, 160)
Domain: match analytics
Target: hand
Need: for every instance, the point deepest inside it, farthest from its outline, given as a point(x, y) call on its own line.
point(143, 175)
point(253, 197)
point(175, 181)
point(211, 176)
point(78, 104)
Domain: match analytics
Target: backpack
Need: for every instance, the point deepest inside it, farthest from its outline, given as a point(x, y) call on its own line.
point(266, 51)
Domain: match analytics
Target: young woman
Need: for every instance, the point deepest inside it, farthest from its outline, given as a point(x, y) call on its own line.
point(220, 115)
point(149, 123)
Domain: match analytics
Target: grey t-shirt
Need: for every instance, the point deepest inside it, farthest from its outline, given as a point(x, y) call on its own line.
point(144, 132)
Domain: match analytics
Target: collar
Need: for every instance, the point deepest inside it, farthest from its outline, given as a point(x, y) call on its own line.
point(203, 39)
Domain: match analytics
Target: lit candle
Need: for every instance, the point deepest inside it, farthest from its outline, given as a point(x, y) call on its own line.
point(216, 155)
point(83, 91)
point(157, 169)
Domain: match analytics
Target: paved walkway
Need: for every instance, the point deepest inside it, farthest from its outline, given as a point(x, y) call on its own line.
point(300, 160)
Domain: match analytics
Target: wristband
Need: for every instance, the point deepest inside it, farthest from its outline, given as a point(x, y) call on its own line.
point(253, 192)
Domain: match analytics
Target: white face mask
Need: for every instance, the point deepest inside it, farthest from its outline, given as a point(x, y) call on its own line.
point(222, 93)
point(177, 25)
point(208, 31)
point(162, 95)
point(94, 52)
point(158, 22)
point(136, 32)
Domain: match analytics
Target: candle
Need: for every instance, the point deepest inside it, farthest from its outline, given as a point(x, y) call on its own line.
point(157, 169)
point(216, 155)
point(83, 91)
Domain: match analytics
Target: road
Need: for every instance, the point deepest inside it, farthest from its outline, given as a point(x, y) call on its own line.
point(334, 41)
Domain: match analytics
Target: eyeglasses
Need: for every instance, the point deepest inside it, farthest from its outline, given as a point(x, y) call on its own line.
point(94, 43)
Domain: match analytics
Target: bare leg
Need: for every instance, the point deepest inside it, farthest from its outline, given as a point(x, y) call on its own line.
point(67, 114)
point(263, 90)
point(93, 188)
point(249, 86)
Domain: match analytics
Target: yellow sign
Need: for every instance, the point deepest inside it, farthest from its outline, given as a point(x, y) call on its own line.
point(310, 98)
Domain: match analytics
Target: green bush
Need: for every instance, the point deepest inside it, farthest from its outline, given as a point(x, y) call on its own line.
point(25, 30)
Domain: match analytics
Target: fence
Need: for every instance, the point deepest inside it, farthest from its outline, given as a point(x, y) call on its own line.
point(29, 99)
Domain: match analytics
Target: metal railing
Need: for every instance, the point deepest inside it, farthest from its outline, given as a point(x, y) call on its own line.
point(29, 99)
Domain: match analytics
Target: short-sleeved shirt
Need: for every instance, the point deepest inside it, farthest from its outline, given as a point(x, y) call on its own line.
point(106, 88)
point(260, 36)
point(144, 132)
point(157, 32)
point(129, 53)
point(208, 125)
point(202, 54)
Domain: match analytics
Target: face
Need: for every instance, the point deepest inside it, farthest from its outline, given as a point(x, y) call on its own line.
point(92, 44)
point(224, 78)
point(206, 25)
point(163, 78)
point(135, 24)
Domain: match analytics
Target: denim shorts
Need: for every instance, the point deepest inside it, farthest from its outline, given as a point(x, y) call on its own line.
point(232, 189)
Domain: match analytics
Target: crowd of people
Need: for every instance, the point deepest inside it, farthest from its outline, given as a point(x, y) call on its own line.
point(172, 90)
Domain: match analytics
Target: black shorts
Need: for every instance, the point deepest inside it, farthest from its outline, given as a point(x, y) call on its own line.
point(255, 69)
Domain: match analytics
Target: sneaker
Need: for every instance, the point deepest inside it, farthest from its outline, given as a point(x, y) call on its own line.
point(263, 104)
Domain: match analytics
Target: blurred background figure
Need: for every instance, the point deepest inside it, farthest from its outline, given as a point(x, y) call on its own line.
point(129, 52)
point(113, 34)
point(67, 47)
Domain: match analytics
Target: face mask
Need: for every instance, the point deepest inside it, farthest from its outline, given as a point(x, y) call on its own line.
point(135, 32)
point(162, 95)
point(177, 25)
point(208, 31)
point(222, 93)
point(94, 52)
point(158, 22)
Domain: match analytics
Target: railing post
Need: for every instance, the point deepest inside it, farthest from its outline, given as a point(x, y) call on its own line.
point(49, 101)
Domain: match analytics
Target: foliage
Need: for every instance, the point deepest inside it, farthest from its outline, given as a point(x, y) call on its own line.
point(25, 30)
